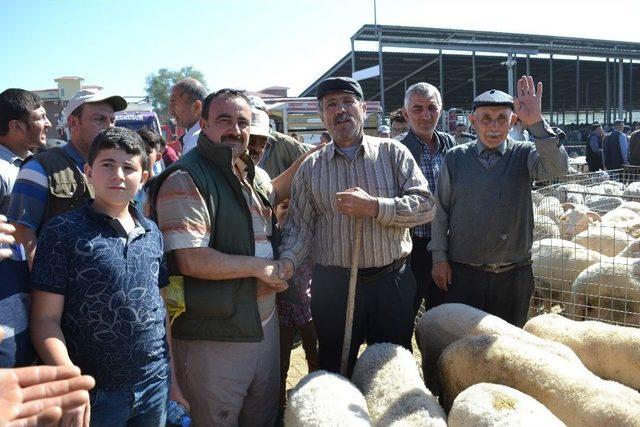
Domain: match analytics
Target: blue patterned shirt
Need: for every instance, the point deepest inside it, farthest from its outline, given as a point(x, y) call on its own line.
point(429, 164)
point(114, 317)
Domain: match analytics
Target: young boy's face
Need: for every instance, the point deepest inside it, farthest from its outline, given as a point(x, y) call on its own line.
point(116, 176)
point(282, 211)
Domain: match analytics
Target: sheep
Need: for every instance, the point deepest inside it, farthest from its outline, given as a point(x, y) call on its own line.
point(442, 325)
point(632, 190)
point(611, 352)
point(576, 219)
point(556, 264)
point(604, 238)
point(623, 219)
point(632, 250)
point(536, 197)
point(322, 399)
point(571, 193)
point(634, 206)
point(544, 227)
point(388, 377)
point(602, 203)
point(549, 206)
point(489, 405)
point(608, 290)
point(570, 391)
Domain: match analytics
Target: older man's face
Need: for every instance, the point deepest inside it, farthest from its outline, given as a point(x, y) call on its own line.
point(343, 115)
point(257, 145)
point(492, 124)
point(422, 113)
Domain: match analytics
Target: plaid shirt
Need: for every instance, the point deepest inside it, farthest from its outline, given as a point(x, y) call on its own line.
point(430, 166)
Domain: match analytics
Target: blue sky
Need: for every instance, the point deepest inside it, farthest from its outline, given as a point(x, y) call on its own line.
point(251, 44)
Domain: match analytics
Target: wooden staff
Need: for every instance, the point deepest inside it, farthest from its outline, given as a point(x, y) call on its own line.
point(351, 298)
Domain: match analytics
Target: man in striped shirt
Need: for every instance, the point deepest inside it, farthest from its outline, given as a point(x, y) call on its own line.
point(356, 176)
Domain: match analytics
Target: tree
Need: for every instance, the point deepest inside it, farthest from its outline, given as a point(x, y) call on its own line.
point(159, 86)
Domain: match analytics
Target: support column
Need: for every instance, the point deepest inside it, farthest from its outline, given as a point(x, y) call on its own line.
point(630, 91)
point(528, 71)
point(620, 88)
point(551, 87)
point(353, 57)
point(607, 109)
point(577, 90)
point(381, 72)
point(442, 90)
point(510, 74)
point(473, 73)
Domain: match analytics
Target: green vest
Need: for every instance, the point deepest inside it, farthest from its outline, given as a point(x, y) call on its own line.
point(219, 310)
point(68, 188)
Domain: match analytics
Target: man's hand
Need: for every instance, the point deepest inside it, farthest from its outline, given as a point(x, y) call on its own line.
point(38, 395)
point(6, 236)
point(175, 393)
point(269, 272)
point(286, 269)
point(528, 102)
point(442, 274)
point(356, 202)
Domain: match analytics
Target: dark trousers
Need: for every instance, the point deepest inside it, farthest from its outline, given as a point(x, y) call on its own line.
point(427, 289)
point(506, 295)
point(383, 310)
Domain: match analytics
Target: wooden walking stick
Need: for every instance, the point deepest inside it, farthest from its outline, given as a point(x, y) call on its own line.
point(353, 279)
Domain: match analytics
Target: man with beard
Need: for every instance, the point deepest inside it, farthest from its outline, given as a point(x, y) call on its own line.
point(483, 232)
point(356, 177)
point(422, 109)
point(214, 209)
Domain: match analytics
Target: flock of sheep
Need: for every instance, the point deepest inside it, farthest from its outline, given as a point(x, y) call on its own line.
point(478, 370)
point(586, 251)
point(486, 372)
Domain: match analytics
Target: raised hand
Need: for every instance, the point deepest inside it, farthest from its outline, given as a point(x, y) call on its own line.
point(528, 102)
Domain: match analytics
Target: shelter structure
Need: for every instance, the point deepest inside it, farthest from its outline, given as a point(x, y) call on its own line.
point(585, 80)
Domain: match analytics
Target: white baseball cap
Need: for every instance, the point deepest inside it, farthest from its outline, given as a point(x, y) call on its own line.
point(260, 123)
point(92, 95)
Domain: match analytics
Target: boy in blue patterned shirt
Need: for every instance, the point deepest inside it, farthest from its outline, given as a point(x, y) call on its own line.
point(96, 282)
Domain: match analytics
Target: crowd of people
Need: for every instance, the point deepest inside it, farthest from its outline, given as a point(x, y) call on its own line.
point(133, 276)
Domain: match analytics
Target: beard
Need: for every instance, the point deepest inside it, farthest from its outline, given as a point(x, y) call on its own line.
point(236, 145)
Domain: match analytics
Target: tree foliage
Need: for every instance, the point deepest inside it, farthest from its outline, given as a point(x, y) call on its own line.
point(158, 87)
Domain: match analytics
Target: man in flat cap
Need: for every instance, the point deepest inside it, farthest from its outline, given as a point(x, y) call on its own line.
point(482, 236)
point(53, 181)
point(356, 176)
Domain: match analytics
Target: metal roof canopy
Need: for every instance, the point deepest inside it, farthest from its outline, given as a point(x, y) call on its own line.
point(579, 85)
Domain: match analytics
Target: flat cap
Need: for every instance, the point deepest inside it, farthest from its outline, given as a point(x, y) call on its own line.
point(339, 84)
point(617, 122)
point(491, 98)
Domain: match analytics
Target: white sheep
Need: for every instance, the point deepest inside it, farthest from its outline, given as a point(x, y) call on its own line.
point(493, 405)
point(634, 206)
point(576, 219)
point(536, 197)
point(632, 250)
point(447, 323)
point(549, 206)
point(633, 189)
point(544, 227)
point(388, 377)
point(611, 352)
point(569, 193)
point(322, 399)
point(608, 290)
point(569, 390)
point(601, 202)
point(604, 238)
point(624, 219)
point(556, 264)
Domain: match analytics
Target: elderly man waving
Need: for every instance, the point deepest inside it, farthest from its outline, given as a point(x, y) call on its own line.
point(356, 176)
point(482, 235)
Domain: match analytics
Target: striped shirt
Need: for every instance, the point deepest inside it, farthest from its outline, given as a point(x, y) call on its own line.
point(430, 165)
point(31, 191)
point(184, 220)
point(383, 168)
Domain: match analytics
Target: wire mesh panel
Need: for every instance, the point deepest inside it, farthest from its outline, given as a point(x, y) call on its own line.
point(586, 253)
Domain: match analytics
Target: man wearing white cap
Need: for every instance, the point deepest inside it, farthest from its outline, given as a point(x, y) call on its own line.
point(53, 182)
point(261, 136)
point(482, 235)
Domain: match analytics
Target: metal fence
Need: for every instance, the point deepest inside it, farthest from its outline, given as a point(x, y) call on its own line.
point(586, 253)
